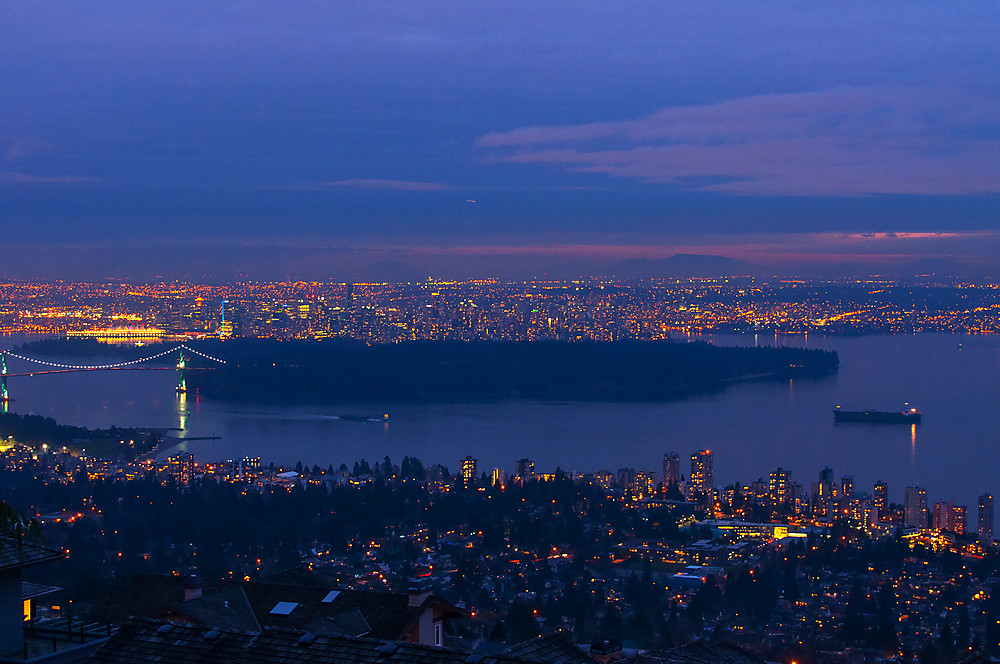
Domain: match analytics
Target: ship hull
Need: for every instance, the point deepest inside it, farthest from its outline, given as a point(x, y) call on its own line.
point(877, 416)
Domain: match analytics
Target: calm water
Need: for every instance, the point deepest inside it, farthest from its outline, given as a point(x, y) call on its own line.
point(751, 427)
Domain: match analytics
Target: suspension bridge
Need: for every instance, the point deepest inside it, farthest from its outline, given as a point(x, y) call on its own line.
point(61, 367)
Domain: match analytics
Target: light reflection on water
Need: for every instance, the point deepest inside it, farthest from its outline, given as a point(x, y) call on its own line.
point(752, 427)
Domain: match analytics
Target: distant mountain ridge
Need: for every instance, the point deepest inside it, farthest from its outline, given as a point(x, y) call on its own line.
point(684, 265)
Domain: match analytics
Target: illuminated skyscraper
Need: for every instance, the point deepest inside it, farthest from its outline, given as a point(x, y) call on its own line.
point(985, 522)
point(182, 467)
point(626, 479)
point(524, 469)
point(497, 478)
point(646, 481)
point(916, 506)
point(250, 467)
point(949, 516)
point(847, 486)
point(604, 479)
point(700, 480)
point(779, 488)
point(826, 486)
point(226, 325)
point(959, 516)
point(469, 470)
point(882, 498)
point(862, 511)
point(941, 516)
point(671, 469)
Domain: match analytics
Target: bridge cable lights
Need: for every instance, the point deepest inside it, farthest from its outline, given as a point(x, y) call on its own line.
point(117, 365)
point(60, 366)
point(207, 357)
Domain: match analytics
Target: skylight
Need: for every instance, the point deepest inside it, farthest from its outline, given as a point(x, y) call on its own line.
point(283, 608)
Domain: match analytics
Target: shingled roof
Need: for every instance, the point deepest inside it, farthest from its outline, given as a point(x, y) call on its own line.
point(228, 610)
point(348, 623)
point(142, 641)
point(296, 576)
point(324, 610)
point(14, 555)
point(557, 647)
point(146, 595)
point(247, 606)
point(978, 657)
point(697, 653)
point(31, 590)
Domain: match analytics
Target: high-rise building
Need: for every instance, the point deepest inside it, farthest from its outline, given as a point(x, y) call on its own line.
point(800, 499)
point(847, 486)
point(604, 479)
point(626, 479)
point(671, 469)
point(645, 482)
point(862, 511)
point(941, 516)
point(497, 478)
point(824, 491)
point(469, 470)
point(700, 480)
point(949, 516)
point(826, 486)
point(985, 523)
point(779, 488)
point(959, 516)
point(915, 503)
point(182, 467)
point(882, 498)
point(524, 469)
point(250, 467)
point(226, 328)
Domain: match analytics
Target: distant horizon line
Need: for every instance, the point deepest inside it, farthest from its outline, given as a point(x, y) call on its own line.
point(487, 280)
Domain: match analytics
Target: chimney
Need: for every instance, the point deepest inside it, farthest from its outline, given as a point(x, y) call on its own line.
point(419, 590)
point(606, 650)
point(192, 588)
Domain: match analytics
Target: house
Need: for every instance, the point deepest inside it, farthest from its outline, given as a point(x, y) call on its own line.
point(307, 604)
point(21, 638)
point(141, 641)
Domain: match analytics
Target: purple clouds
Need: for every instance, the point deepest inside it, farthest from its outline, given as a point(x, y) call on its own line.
point(838, 142)
point(13, 177)
point(635, 129)
point(373, 183)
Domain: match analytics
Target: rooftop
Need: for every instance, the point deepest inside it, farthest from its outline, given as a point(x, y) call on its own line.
point(143, 640)
point(14, 555)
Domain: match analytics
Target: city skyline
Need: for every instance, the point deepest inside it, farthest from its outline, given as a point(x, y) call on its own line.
point(489, 309)
point(698, 301)
point(359, 141)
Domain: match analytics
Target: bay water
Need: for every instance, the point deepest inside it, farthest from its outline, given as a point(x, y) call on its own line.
point(751, 427)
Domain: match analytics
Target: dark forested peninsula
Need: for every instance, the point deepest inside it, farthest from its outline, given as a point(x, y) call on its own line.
point(420, 371)
point(112, 443)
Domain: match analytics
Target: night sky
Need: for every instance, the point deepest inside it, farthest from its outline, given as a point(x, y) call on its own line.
point(338, 140)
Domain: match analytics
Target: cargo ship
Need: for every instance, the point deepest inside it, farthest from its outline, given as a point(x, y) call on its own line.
point(911, 416)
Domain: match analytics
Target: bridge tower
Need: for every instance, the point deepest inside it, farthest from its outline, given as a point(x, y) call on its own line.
point(181, 381)
point(4, 397)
